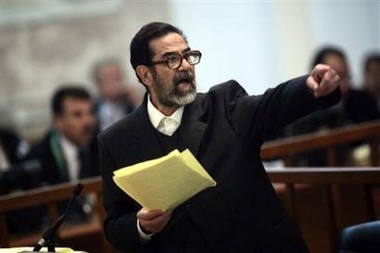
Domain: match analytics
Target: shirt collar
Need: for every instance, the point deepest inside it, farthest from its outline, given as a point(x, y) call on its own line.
point(68, 146)
point(156, 116)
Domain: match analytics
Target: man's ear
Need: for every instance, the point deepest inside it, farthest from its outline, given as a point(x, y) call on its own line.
point(144, 74)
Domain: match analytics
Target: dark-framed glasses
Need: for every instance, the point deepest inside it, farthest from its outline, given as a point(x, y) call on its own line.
point(174, 60)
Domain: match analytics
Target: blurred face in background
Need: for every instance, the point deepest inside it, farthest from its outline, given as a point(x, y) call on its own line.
point(111, 82)
point(340, 65)
point(77, 121)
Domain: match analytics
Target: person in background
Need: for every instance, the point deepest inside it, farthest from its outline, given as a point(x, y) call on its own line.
point(68, 151)
point(355, 107)
point(224, 129)
point(15, 174)
point(116, 99)
point(12, 148)
point(18, 176)
point(372, 75)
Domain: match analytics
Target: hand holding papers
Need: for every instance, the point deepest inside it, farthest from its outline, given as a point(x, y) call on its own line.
point(166, 182)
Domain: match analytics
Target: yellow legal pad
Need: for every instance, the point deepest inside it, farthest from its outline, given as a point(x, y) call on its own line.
point(165, 182)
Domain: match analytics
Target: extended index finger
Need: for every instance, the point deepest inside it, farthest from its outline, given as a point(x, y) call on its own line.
point(330, 81)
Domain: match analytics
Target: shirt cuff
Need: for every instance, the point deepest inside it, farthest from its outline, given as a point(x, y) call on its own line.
point(143, 236)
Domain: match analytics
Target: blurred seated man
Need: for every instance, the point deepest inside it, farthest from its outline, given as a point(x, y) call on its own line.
point(116, 99)
point(372, 75)
point(68, 151)
point(356, 106)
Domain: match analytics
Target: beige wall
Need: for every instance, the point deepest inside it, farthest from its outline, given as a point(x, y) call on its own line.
point(39, 53)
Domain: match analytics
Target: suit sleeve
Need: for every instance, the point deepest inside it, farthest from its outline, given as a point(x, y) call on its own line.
point(263, 116)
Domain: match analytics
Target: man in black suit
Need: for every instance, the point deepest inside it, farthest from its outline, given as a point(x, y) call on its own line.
point(224, 129)
point(68, 151)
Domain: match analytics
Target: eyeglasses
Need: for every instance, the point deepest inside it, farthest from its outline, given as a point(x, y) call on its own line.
point(174, 61)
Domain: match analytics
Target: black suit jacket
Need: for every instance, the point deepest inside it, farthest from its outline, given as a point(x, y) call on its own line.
point(10, 143)
point(54, 168)
point(224, 129)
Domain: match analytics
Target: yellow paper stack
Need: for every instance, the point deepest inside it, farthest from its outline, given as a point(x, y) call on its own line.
point(165, 182)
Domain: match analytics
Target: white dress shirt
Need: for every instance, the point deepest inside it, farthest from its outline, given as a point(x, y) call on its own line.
point(165, 124)
point(71, 154)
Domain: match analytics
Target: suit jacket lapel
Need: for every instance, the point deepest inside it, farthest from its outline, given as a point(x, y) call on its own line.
point(192, 128)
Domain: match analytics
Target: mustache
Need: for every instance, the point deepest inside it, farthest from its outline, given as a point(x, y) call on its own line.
point(186, 76)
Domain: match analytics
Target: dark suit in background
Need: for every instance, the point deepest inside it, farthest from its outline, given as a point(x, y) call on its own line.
point(10, 143)
point(18, 176)
point(74, 127)
point(68, 151)
point(54, 171)
point(224, 129)
point(50, 155)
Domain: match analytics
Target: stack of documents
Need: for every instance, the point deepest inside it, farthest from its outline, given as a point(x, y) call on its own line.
point(165, 182)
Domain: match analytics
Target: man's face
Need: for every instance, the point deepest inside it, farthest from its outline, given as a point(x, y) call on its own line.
point(77, 122)
point(171, 87)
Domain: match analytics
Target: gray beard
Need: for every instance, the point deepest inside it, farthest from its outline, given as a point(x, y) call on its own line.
point(173, 97)
point(184, 99)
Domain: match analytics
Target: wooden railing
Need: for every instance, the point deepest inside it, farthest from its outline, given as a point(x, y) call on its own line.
point(332, 177)
point(328, 140)
point(49, 196)
point(329, 179)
